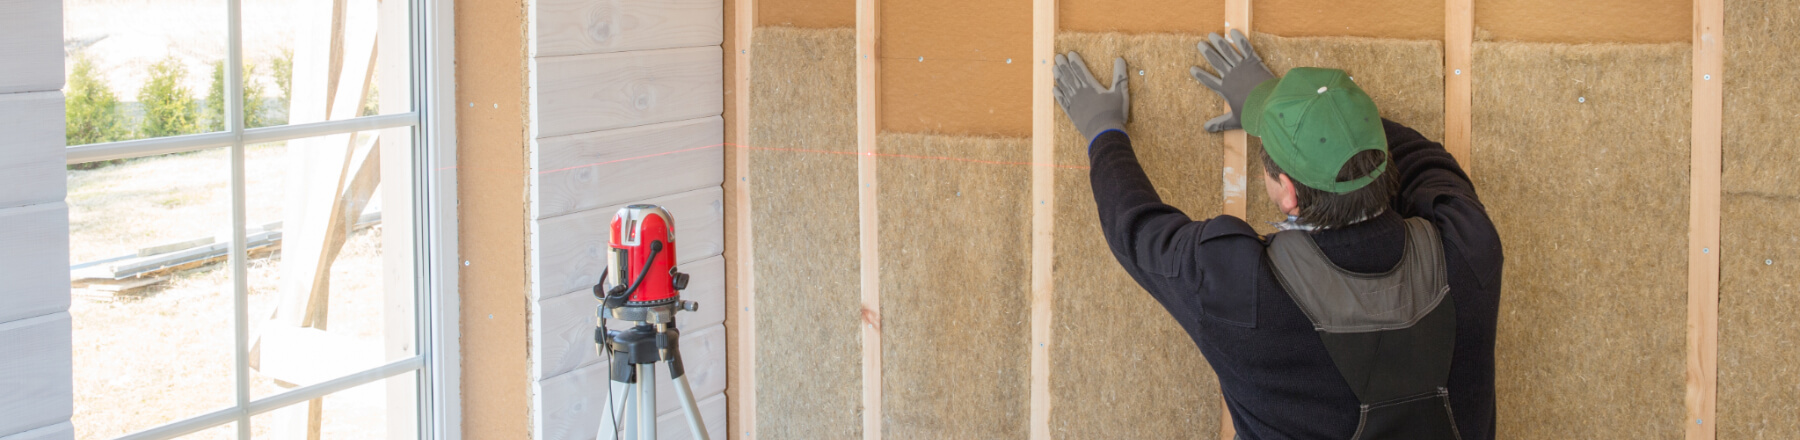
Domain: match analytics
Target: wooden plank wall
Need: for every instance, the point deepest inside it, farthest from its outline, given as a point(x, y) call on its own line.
point(37, 395)
point(626, 108)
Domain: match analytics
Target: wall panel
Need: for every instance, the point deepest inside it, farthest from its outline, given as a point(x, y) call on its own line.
point(35, 262)
point(1759, 363)
point(573, 27)
point(945, 67)
point(803, 184)
point(592, 170)
point(1582, 161)
point(31, 155)
point(31, 43)
point(35, 376)
point(582, 93)
point(1120, 365)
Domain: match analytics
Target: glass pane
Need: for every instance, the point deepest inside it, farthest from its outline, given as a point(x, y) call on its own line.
point(382, 409)
point(139, 69)
point(226, 431)
point(315, 68)
point(153, 334)
point(325, 197)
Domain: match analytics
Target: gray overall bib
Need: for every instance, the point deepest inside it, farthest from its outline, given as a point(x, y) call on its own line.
point(1391, 334)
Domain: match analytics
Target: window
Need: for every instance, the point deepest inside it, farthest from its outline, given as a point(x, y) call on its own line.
point(262, 229)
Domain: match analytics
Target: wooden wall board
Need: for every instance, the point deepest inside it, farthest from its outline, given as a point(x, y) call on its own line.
point(1758, 363)
point(575, 402)
point(31, 42)
point(573, 27)
point(60, 431)
point(803, 181)
point(1702, 379)
point(1591, 21)
point(868, 218)
point(956, 344)
point(1587, 293)
point(492, 155)
point(570, 250)
point(583, 93)
point(566, 323)
point(741, 337)
point(1404, 77)
point(591, 170)
point(36, 382)
point(964, 85)
point(1404, 19)
point(1459, 40)
point(1043, 213)
point(32, 154)
point(1140, 16)
point(809, 14)
point(35, 261)
point(1164, 388)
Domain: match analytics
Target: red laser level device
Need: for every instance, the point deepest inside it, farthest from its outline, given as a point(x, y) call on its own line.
point(641, 257)
point(641, 284)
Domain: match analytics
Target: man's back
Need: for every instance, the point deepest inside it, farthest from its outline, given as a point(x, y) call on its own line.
point(1214, 279)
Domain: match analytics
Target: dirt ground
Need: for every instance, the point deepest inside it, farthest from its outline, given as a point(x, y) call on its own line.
point(166, 352)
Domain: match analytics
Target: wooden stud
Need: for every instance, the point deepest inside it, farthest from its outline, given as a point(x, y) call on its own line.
point(1459, 42)
point(1237, 152)
point(1237, 157)
point(743, 392)
point(1043, 214)
point(868, 105)
point(1703, 220)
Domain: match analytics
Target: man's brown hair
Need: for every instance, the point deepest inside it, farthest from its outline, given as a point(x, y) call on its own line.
point(1329, 210)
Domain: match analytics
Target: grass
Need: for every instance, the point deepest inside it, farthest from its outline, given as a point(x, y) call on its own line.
point(167, 353)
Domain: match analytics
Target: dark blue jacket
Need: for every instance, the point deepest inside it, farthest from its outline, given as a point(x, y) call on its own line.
point(1213, 277)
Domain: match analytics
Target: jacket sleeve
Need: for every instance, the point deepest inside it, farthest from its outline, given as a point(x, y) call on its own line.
point(1159, 245)
point(1434, 186)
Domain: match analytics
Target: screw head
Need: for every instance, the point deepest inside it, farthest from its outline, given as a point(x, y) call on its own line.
point(1009, 61)
point(1581, 99)
point(1458, 71)
point(1708, 77)
point(1140, 73)
point(921, 59)
point(1705, 250)
point(1768, 262)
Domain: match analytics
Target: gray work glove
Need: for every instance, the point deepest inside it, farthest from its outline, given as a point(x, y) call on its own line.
point(1092, 108)
point(1239, 73)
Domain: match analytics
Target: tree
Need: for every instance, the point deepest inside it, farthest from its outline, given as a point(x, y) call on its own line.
point(92, 110)
point(215, 99)
point(168, 105)
point(282, 68)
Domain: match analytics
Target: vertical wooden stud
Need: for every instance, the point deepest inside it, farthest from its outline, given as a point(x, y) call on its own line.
point(1459, 42)
point(1237, 143)
point(1043, 213)
point(868, 105)
point(1703, 220)
point(744, 391)
point(1237, 156)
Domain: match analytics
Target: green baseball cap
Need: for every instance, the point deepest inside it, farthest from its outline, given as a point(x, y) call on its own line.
point(1311, 122)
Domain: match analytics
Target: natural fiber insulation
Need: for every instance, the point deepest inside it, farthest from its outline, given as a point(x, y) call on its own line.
point(955, 286)
point(1759, 361)
point(1121, 367)
point(1581, 158)
point(804, 228)
point(1404, 77)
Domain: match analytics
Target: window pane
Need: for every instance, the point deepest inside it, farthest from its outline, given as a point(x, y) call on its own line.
point(153, 334)
point(324, 69)
point(379, 410)
point(327, 197)
point(140, 69)
point(226, 431)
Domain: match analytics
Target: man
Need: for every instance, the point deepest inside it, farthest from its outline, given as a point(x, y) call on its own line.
point(1370, 315)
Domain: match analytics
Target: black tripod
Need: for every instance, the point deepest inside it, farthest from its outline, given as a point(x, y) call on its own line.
point(636, 351)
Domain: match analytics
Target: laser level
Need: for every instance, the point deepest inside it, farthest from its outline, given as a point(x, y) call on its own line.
point(641, 284)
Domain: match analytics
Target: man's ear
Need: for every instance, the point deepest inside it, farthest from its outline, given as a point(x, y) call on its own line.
point(1288, 198)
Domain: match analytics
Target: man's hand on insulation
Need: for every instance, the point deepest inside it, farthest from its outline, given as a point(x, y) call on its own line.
point(1240, 71)
point(1093, 109)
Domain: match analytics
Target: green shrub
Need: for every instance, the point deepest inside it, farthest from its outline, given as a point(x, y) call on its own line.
point(92, 110)
point(168, 105)
point(282, 68)
point(215, 99)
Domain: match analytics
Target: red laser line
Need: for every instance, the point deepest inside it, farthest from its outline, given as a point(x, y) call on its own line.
point(793, 150)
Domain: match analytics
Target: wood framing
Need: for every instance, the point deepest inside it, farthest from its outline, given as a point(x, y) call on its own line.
point(1703, 220)
point(1043, 213)
point(1459, 42)
point(1236, 169)
point(743, 257)
point(1237, 143)
point(868, 107)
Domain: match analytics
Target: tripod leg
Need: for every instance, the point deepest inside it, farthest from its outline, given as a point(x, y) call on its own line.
point(647, 401)
point(677, 374)
point(620, 402)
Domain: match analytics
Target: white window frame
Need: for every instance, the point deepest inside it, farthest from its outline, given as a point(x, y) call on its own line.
point(432, 120)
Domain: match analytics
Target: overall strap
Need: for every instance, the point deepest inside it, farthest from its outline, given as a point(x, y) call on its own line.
point(1390, 334)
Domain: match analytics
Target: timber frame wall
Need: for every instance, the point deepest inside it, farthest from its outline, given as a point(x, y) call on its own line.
point(1459, 28)
point(36, 383)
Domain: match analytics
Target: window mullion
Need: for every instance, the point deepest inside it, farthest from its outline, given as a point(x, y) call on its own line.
point(234, 122)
